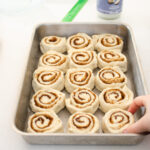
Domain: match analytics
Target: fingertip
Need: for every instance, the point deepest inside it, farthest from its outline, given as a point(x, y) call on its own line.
point(131, 109)
point(125, 131)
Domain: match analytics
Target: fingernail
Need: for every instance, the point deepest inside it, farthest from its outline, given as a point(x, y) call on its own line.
point(125, 131)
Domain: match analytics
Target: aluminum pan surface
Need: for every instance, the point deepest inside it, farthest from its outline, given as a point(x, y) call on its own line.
point(134, 74)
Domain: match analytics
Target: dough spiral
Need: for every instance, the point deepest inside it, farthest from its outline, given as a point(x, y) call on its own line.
point(110, 77)
point(44, 122)
point(79, 78)
point(116, 120)
point(54, 60)
point(47, 100)
point(111, 98)
point(108, 42)
point(46, 78)
point(82, 100)
point(83, 59)
point(53, 43)
point(112, 58)
point(83, 123)
point(80, 41)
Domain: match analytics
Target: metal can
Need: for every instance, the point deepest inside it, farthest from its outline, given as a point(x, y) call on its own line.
point(109, 9)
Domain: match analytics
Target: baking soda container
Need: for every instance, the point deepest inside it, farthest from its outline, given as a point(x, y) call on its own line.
point(109, 9)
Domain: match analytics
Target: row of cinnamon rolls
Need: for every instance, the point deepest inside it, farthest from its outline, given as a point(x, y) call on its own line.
point(81, 41)
point(81, 100)
point(114, 121)
point(83, 59)
point(45, 78)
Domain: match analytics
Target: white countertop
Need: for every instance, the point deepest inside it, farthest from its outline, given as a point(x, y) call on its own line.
point(15, 37)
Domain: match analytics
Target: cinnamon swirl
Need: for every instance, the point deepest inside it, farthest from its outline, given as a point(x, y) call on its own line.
point(111, 98)
point(83, 59)
point(112, 58)
point(82, 100)
point(44, 122)
point(116, 120)
point(46, 78)
point(83, 123)
point(53, 43)
point(47, 100)
point(80, 41)
point(108, 42)
point(110, 77)
point(79, 78)
point(55, 60)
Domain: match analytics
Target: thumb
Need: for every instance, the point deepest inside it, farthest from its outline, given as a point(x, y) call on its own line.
point(137, 127)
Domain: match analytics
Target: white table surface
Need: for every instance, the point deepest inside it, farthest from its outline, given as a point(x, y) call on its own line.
point(15, 37)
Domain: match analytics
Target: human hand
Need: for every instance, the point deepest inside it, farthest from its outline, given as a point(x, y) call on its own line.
point(143, 124)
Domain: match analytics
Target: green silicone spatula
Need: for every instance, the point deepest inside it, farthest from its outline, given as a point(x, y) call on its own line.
point(74, 11)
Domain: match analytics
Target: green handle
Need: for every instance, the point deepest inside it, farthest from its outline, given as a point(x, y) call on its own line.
point(74, 11)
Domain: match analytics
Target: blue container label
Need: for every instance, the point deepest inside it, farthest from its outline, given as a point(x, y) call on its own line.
point(109, 6)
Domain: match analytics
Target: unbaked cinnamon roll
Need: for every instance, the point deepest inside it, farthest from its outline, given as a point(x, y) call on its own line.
point(80, 41)
point(82, 100)
point(53, 43)
point(112, 58)
point(46, 78)
point(83, 59)
point(76, 78)
point(108, 42)
point(44, 122)
point(55, 60)
point(47, 100)
point(84, 123)
point(111, 98)
point(116, 120)
point(110, 77)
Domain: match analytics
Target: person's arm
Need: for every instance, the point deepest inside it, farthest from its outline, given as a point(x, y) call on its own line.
point(143, 124)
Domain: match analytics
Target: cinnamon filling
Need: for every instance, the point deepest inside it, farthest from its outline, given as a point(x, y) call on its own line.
point(52, 40)
point(110, 41)
point(80, 78)
point(80, 123)
point(39, 121)
point(48, 77)
point(83, 98)
point(79, 42)
point(46, 100)
point(82, 58)
point(113, 96)
point(110, 76)
point(118, 119)
point(53, 60)
point(110, 56)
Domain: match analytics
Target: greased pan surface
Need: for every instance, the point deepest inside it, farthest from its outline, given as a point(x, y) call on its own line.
point(134, 74)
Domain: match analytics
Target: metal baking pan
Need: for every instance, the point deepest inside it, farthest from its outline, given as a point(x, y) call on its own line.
point(134, 74)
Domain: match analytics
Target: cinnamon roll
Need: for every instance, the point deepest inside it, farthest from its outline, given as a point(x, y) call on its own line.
point(116, 120)
point(82, 100)
point(44, 122)
point(107, 42)
point(80, 41)
point(53, 43)
point(112, 58)
point(55, 60)
point(111, 98)
point(83, 59)
point(47, 100)
point(46, 78)
point(79, 78)
point(84, 123)
point(110, 77)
